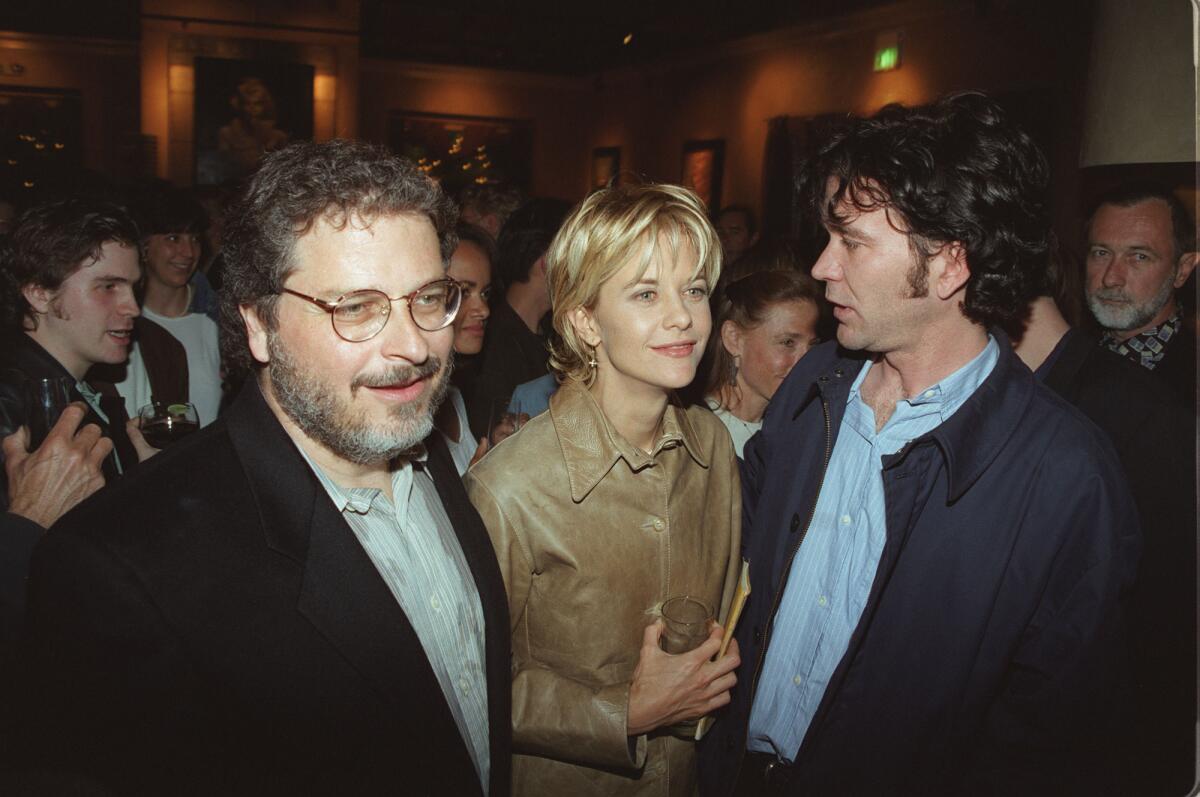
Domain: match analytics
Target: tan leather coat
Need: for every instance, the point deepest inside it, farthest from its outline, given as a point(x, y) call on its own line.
point(592, 535)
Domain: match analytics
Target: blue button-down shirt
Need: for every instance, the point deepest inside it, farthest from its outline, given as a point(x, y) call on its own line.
point(832, 572)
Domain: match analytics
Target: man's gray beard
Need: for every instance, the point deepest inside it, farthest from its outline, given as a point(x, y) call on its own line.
point(315, 407)
point(1130, 316)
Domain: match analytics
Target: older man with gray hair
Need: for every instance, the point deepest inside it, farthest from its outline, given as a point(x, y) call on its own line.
point(1141, 250)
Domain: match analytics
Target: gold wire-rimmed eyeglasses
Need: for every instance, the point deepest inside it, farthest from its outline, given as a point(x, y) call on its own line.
point(361, 315)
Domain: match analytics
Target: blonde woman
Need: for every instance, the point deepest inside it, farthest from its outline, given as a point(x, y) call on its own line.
point(613, 501)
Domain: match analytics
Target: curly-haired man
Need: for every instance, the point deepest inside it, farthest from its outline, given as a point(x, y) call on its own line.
point(937, 543)
point(298, 598)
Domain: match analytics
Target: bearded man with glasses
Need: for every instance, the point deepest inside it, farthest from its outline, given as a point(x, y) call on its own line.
point(298, 599)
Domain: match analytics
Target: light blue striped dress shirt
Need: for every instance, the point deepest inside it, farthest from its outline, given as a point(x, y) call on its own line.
point(832, 573)
point(413, 546)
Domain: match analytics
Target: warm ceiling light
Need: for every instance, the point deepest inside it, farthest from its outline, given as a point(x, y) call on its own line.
point(628, 38)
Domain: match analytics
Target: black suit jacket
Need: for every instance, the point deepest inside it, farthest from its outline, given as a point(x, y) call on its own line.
point(1154, 434)
point(1178, 366)
point(211, 625)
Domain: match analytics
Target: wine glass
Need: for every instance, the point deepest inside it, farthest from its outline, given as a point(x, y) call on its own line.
point(163, 424)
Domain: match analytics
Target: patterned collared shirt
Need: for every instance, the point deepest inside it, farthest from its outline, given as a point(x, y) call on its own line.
point(1145, 348)
point(413, 546)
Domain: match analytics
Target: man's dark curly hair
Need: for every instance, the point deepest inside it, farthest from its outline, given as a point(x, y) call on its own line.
point(52, 241)
point(293, 189)
point(955, 171)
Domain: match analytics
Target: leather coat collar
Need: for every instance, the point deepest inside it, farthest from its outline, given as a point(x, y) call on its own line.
point(591, 446)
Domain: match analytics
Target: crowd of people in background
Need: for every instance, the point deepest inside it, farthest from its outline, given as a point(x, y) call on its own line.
point(435, 465)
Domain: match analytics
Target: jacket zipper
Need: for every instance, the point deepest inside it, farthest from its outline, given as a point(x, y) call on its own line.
point(762, 654)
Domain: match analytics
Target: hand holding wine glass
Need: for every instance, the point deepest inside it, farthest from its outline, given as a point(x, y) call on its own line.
point(163, 424)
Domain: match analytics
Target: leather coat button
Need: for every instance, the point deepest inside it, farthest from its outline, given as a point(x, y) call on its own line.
point(795, 525)
point(658, 524)
point(758, 634)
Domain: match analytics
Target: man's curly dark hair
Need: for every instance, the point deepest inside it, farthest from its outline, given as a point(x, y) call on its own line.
point(954, 171)
point(52, 241)
point(293, 189)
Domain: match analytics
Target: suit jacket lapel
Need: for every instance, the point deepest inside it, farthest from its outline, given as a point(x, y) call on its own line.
point(341, 594)
point(346, 599)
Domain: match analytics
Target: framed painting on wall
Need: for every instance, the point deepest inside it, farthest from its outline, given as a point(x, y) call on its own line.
point(459, 151)
point(41, 140)
point(245, 109)
point(606, 166)
point(703, 168)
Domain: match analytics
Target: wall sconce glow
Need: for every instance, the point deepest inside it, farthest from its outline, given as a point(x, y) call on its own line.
point(628, 38)
point(181, 78)
point(887, 51)
point(325, 88)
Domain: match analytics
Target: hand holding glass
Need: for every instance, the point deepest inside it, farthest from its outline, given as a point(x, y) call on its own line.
point(45, 399)
point(164, 424)
point(686, 623)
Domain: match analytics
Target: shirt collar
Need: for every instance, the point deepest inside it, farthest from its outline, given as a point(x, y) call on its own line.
point(1167, 328)
point(950, 393)
point(591, 446)
point(360, 500)
point(1146, 348)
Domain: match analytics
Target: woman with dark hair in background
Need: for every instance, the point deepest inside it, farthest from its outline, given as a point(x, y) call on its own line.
point(171, 221)
point(471, 267)
point(766, 321)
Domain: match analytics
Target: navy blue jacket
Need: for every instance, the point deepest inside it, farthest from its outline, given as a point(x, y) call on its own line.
point(988, 650)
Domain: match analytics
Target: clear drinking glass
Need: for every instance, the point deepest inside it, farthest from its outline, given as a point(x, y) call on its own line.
point(501, 422)
point(45, 400)
point(686, 623)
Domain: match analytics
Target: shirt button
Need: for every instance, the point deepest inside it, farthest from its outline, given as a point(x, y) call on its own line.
point(845, 520)
point(465, 685)
point(435, 603)
point(822, 600)
point(658, 524)
point(797, 680)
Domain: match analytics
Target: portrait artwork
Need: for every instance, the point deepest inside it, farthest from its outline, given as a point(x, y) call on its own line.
point(245, 109)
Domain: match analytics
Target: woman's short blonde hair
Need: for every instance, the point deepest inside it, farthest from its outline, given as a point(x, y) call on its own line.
point(605, 232)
